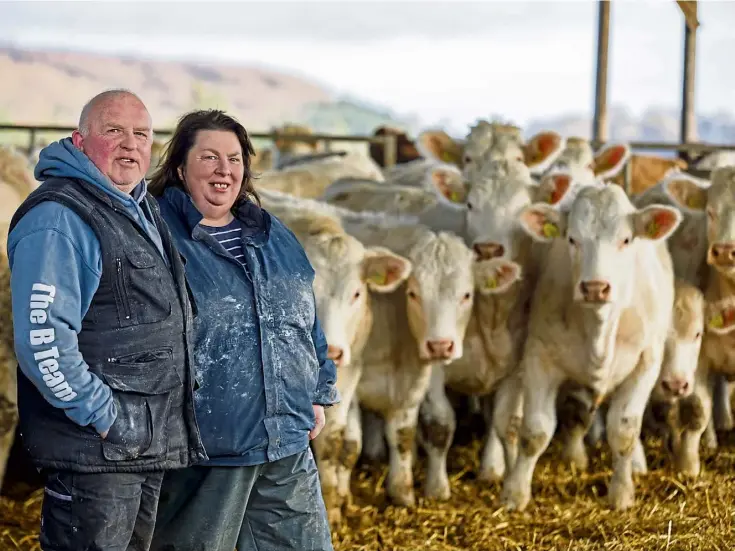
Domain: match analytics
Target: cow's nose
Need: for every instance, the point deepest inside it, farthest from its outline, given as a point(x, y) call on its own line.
point(675, 386)
point(440, 348)
point(595, 291)
point(488, 250)
point(722, 254)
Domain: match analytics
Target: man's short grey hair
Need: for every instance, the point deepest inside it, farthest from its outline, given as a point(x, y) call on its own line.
point(92, 103)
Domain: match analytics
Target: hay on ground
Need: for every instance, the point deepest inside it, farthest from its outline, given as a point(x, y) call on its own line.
point(568, 510)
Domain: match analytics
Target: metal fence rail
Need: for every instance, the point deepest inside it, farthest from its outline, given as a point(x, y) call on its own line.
point(390, 144)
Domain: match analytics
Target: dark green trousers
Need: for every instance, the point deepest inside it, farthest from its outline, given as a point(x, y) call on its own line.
point(275, 506)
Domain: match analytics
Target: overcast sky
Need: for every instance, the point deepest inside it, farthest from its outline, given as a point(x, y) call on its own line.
point(451, 60)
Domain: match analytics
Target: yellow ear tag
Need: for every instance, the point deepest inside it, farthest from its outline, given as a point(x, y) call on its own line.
point(454, 197)
point(491, 283)
point(447, 157)
point(378, 278)
point(550, 230)
point(717, 322)
point(652, 229)
point(694, 203)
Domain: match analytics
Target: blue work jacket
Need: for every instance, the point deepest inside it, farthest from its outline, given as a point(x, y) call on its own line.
point(260, 352)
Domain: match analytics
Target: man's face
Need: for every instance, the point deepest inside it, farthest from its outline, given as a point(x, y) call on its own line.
point(118, 140)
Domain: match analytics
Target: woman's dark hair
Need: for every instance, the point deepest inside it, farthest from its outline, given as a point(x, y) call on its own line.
point(177, 149)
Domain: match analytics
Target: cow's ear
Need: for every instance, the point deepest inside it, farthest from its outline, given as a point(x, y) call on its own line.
point(610, 160)
point(656, 222)
point(496, 275)
point(439, 146)
point(686, 193)
point(542, 150)
point(449, 184)
point(554, 187)
point(543, 222)
point(383, 270)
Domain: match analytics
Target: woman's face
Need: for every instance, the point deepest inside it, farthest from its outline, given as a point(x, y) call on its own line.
point(213, 172)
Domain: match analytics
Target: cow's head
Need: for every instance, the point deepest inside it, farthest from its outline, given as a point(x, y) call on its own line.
point(683, 343)
point(602, 230)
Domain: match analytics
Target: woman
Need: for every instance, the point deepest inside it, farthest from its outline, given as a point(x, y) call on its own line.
point(261, 356)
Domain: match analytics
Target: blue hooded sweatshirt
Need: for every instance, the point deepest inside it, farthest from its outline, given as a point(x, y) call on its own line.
point(51, 245)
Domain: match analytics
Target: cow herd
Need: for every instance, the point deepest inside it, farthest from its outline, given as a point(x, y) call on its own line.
point(519, 274)
point(516, 273)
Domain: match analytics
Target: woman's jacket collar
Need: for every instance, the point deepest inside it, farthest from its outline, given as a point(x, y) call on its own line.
point(256, 221)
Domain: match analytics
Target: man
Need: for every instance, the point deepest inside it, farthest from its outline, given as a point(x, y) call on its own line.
point(102, 322)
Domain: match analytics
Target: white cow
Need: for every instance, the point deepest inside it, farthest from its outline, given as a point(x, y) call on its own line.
point(579, 158)
point(675, 397)
point(431, 209)
point(488, 141)
point(599, 318)
point(689, 247)
point(431, 175)
point(415, 330)
point(347, 274)
point(310, 179)
point(715, 160)
point(497, 327)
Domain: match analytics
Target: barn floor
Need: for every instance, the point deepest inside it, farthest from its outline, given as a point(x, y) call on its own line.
point(568, 511)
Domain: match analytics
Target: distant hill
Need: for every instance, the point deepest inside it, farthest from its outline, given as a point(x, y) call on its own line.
point(50, 87)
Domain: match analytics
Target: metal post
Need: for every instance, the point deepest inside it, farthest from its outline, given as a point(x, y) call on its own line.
point(688, 118)
point(599, 124)
point(390, 150)
point(32, 141)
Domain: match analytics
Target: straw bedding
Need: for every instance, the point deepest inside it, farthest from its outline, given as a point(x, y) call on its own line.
point(568, 510)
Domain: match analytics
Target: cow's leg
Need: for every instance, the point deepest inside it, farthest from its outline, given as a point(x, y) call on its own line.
point(710, 435)
point(638, 460)
point(577, 408)
point(437, 423)
point(329, 446)
point(492, 461)
point(540, 388)
point(624, 419)
point(327, 450)
point(350, 452)
point(373, 436)
point(694, 417)
point(722, 407)
point(596, 432)
point(501, 445)
point(400, 432)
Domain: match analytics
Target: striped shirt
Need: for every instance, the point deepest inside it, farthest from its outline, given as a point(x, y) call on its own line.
point(229, 237)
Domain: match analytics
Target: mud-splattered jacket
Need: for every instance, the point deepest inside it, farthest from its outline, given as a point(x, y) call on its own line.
point(260, 353)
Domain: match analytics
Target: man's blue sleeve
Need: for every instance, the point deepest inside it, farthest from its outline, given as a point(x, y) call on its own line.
point(326, 390)
point(55, 262)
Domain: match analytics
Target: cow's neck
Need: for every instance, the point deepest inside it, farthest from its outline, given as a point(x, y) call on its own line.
point(719, 286)
point(599, 333)
point(493, 311)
